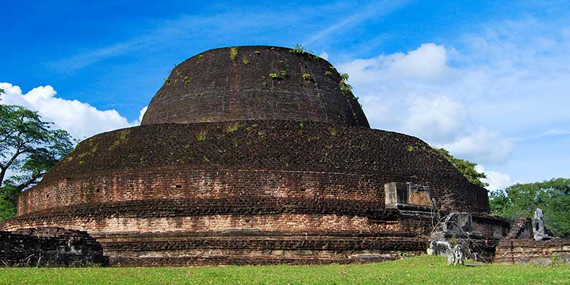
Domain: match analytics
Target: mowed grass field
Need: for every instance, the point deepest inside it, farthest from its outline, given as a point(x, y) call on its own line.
point(416, 270)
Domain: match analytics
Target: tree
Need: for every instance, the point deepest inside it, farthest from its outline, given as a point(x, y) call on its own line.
point(467, 168)
point(521, 200)
point(28, 149)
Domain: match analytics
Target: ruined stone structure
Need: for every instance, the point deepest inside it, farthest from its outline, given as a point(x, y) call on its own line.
point(254, 155)
point(50, 247)
point(522, 246)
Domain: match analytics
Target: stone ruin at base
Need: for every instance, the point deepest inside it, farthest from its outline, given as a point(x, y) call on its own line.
point(255, 155)
point(530, 242)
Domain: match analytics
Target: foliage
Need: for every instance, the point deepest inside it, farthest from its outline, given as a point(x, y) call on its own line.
point(273, 75)
point(344, 87)
point(232, 127)
point(233, 53)
point(415, 270)
point(298, 49)
point(201, 136)
point(245, 60)
point(306, 76)
point(28, 149)
point(521, 200)
point(467, 168)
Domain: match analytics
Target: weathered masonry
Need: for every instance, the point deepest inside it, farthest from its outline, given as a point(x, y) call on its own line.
point(521, 246)
point(254, 155)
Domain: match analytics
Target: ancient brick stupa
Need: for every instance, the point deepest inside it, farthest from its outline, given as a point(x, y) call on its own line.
point(254, 155)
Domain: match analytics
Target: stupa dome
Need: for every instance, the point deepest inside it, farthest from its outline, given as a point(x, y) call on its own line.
point(256, 155)
point(254, 83)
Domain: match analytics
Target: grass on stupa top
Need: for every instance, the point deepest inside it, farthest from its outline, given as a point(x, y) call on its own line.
point(416, 270)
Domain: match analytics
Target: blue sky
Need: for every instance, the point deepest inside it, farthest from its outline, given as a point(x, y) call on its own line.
point(489, 80)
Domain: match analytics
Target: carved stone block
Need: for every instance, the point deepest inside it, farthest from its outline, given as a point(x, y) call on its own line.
point(399, 194)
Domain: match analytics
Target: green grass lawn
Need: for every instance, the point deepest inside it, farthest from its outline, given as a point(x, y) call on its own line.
point(417, 270)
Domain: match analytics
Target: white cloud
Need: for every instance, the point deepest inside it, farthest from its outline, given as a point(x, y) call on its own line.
point(419, 93)
point(496, 180)
point(435, 119)
point(494, 96)
point(426, 63)
point(141, 115)
point(481, 146)
point(429, 61)
point(80, 119)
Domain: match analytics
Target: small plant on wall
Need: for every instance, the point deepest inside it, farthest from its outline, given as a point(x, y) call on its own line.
point(233, 53)
point(298, 49)
point(201, 136)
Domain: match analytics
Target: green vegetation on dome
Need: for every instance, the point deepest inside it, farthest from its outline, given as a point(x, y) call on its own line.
point(201, 136)
point(298, 49)
point(233, 53)
point(232, 127)
point(344, 87)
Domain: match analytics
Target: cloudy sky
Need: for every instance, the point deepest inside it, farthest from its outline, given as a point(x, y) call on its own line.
point(488, 80)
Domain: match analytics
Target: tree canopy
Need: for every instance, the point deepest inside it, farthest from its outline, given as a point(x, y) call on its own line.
point(521, 200)
point(29, 147)
point(467, 168)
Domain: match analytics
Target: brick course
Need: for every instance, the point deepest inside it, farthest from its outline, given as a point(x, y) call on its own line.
point(288, 159)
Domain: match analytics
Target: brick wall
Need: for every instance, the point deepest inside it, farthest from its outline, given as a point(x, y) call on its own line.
point(262, 159)
point(176, 184)
point(270, 183)
point(529, 250)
